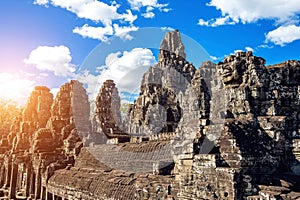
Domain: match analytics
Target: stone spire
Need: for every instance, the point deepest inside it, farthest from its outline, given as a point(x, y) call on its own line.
point(172, 44)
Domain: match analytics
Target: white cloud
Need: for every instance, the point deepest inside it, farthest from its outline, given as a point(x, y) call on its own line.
point(14, 87)
point(265, 46)
point(129, 17)
point(137, 4)
point(238, 50)
point(97, 11)
point(149, 15)
point(150, 5)
point(43, 74)
point(90, 81)
point(112, 57)
point(41, 2)
point(54, 91)
point(126, 69)
point(248, 11)
point(216, 22)
point(123, 31)
point(56, 59)
point(249, 49)
point(164, 28)
point(102, 33)
point(283, 12)
point(213, 57)
point(92, 9)
point(99, 33)
point(284, 35)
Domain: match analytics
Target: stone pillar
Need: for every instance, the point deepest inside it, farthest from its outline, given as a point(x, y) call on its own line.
point(43, 192)
point(13, 181)
point(38, 180)
point(2, 176)
point(32, 183)
point(7, 174)
point(27, 181)
point(49, 196)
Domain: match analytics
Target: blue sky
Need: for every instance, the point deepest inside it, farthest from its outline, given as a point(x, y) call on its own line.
point(48, 42)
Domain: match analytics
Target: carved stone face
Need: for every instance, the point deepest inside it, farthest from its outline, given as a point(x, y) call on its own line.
point(231, 73)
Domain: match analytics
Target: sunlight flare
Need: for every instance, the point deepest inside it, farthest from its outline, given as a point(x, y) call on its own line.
point(13, 87)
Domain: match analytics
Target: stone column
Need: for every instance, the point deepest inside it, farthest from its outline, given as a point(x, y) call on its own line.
point(43, 192)
point(32, 182)
point(2, 176)
point(38, 181)
point(7, 174)
point(48, 196)
point(13, 181)
point(28, 178)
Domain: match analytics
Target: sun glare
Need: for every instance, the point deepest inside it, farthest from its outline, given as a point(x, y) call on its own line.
point(15, 88)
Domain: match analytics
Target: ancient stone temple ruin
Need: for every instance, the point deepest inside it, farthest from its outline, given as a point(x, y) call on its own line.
point(223, 131)
point(47, 136)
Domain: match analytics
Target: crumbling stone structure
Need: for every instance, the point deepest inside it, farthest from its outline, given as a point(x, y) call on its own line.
point(47, 136)
point(157, 109)
point(226, 131)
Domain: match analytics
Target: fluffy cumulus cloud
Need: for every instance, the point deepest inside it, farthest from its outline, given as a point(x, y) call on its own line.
point(284, 35)
point(103, 33)
point(123, 31)
point(125, 68)
point(150, 5)
point(99, 33)
point(96, 11)
point(248, 11)
point(283, 12)
point(55, 59)
point(13, 86)
point(128, 68)
point(91, 9)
